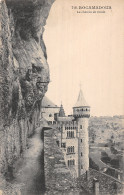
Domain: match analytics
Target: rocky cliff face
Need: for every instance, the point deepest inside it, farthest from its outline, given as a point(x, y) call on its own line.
point(24, 74)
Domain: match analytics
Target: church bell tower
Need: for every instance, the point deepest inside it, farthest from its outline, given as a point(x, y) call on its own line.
point(81, 113)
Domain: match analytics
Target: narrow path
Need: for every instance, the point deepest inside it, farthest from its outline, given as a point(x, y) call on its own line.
point(31, 173)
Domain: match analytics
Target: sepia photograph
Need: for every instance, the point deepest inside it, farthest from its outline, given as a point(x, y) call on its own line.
point(61, 97)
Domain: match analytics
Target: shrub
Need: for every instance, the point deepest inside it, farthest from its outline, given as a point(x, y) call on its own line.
point(93, 165)
point(106, 159)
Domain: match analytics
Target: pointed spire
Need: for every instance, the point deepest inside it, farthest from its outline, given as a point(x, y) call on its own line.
point(80, 85)
point(81, 100)
point(61, 112)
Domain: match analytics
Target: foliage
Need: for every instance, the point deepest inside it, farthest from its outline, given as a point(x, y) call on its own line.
point(113, 150)
point(106, 159)
point(93, 165)
point(115, 163)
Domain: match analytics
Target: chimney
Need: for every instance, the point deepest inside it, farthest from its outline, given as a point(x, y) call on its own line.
point(87, 175)
point(96, 186)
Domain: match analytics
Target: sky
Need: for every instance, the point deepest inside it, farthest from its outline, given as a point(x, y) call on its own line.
point(86, 48)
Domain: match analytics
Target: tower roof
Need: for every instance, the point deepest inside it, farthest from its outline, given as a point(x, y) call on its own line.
point(61, 112)
point(81, 100)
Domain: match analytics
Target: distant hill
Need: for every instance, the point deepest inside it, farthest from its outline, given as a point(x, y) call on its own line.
point(106, 129)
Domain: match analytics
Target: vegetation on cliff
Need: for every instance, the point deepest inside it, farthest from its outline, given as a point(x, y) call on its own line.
point(24, 74)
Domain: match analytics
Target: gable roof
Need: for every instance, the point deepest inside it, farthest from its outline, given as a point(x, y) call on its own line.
point(46, 102)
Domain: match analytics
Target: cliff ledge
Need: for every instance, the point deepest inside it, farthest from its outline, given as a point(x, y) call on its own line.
point(24, 74)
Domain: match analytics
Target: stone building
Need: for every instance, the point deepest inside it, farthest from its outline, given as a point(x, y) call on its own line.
point(48, 110)
point(72, 133)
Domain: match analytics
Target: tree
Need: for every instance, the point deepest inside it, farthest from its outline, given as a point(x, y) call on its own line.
point(93, 165)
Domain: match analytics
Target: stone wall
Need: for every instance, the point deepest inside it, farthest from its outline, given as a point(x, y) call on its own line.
point(83, 145)
point(58, 179)
point(24, 74)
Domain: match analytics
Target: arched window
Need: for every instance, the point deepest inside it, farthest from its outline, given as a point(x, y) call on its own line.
point(81, 166)
point(71, 134)
point(50, 115)
point(81, 154)
point(68, 163)
point(86, 109)
point(67, 133)
point(73, 149)
point(81, 140)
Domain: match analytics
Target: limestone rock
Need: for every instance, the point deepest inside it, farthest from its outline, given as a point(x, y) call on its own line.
point(24, 74)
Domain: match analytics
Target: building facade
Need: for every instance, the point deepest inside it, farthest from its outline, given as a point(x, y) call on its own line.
point(72, 133)
point(48, 110)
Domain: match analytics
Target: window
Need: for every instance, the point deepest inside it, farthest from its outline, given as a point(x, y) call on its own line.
point(81, 154)
point(80, 126)
point(81, 140)
point(81, 166)
point(50, 115)
point(70, 150)
point(70, 134)
point(71, 162)
point(57, 143)
point(63, 145)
